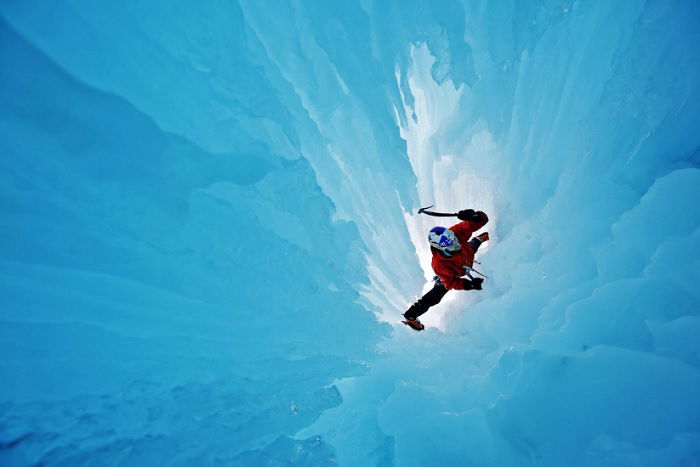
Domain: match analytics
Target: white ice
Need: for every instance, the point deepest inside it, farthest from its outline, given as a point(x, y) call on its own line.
point(209, 232)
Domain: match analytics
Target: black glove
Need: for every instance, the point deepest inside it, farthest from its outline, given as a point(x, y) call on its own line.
point(474, 284)
point(467, 215)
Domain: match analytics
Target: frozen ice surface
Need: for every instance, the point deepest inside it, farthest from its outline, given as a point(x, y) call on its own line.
point(208, 232)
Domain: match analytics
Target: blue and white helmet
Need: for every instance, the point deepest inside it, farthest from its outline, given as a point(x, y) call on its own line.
point(443, 239)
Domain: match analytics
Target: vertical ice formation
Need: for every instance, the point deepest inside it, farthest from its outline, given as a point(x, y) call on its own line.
point(170, 293)
point(204, 204)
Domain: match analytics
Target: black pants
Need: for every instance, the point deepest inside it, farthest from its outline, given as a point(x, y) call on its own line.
point(431, 298)
point(434, 295)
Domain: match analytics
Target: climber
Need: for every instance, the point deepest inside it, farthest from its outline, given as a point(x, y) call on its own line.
point(453, 257)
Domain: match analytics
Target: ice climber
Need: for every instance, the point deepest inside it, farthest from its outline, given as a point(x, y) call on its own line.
point(453, 258)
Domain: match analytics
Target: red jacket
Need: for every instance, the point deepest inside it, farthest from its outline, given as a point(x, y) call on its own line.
point(450, 270)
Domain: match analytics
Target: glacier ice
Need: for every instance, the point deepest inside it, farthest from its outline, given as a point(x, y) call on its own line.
point(209, 232)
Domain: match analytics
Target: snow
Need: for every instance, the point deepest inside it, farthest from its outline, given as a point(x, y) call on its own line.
point(209, 232)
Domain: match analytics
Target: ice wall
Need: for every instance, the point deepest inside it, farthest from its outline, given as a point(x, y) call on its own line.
point(163, 301)
point(208, 219)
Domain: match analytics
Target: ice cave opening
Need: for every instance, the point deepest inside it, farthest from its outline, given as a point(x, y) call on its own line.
point(209, 232)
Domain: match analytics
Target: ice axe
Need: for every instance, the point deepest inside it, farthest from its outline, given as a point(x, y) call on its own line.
point(435, 214)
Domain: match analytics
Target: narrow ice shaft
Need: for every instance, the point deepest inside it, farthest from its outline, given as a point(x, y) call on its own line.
point(210, 231)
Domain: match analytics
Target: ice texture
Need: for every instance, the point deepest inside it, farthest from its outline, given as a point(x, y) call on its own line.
point(209, 232)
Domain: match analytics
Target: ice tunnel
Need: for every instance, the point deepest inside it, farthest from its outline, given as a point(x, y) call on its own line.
point(209, 232)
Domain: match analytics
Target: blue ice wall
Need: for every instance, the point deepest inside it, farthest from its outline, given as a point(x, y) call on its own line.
point(209, 232)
